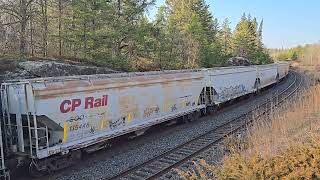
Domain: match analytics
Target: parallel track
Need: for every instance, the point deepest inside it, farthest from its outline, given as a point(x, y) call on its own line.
point(163, 163)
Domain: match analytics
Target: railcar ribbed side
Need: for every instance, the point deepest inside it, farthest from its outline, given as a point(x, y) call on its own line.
point(81, 111)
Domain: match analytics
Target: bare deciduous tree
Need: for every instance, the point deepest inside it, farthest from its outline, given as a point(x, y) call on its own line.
point(19, 11)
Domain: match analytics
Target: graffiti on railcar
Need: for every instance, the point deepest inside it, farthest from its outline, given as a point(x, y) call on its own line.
point(129, 107)
point(92, 129)
point(185, 102)
point(150, 111)
point(188, 104)
point(174, 108)
point(118, 123)
point(103, 124)
point(232, 91)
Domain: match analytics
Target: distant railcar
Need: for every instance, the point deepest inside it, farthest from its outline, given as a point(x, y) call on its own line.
point(283, 69)
point(50, 121)
point(267, 75)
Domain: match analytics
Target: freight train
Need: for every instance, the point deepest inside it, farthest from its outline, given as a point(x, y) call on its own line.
point(50, 122)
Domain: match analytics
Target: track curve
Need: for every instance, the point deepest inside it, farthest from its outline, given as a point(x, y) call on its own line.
point(163, 163)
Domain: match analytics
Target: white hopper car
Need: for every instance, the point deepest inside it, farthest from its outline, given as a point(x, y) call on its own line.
point(50, 121)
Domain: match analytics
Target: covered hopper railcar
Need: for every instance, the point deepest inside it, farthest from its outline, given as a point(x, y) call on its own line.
point(50, 121)
point(230, 82)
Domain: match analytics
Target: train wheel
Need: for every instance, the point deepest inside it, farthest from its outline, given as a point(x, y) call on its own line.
point(195, 116)
point(203, 112)
point(35, 172)
point(257, 86)
point(187, 118)
point(211, 110)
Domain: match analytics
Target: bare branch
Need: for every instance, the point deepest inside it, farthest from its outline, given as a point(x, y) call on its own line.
point(10, 23)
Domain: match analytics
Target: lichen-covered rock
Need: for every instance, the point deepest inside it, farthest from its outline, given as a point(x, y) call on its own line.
point(239, 61)
point(45, 68)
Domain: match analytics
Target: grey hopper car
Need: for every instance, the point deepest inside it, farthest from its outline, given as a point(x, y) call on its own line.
point(47, 120)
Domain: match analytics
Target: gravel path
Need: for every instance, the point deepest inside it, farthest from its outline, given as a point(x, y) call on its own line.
point(107, 163)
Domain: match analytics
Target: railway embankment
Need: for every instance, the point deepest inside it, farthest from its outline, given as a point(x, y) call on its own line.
point(286, 147)
point(311, 71)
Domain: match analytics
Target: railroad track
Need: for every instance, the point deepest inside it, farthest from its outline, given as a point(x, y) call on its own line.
point(163, 163)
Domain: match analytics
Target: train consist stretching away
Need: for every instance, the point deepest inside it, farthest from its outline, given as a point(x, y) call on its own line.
point(49, 122)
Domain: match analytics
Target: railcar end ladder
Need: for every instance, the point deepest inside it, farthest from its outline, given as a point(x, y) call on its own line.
point(4, 172)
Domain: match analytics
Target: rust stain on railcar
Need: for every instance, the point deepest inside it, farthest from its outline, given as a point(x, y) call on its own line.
point(68, 88)
point(169, 102)
point(123, 81)
point(128, 107)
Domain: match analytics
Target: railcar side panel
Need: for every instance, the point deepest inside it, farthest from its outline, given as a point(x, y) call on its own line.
point(283, 69)
point(82, 113)
point(230, 83)
point(267, 75)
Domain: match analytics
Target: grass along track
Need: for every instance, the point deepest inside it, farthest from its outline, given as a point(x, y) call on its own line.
point(163, 163)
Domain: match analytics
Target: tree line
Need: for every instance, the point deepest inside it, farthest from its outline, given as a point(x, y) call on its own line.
point(118, 34)
point(290, 54)
point(308, 54)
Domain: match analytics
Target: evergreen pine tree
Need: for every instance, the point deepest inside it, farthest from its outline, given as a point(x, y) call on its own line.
point(225, 38)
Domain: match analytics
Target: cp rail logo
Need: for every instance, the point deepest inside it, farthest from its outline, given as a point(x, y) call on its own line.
point(71, 105)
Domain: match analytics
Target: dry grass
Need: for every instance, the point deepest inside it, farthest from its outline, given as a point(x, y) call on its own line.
point(311, 55)
point(309, 63)
point(286, 147)
point(297, 124)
